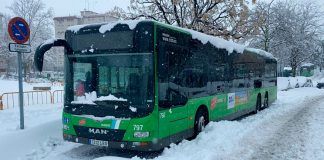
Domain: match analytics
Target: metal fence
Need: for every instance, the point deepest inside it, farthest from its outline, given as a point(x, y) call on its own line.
point(58, 96)
point(11, 99)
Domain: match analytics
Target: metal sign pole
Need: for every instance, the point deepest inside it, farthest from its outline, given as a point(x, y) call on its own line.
point(19, 32)
point(21, 95)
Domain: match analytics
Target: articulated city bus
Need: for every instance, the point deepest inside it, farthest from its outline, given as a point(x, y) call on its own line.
point(142, 85)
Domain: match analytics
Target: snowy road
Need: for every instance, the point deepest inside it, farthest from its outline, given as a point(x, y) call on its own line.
point(289, 132)
point(292, 128)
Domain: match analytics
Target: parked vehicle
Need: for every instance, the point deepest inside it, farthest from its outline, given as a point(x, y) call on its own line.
point(320, 85)
point(308, 83)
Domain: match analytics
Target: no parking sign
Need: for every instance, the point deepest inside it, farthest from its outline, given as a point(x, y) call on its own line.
point(18, 30)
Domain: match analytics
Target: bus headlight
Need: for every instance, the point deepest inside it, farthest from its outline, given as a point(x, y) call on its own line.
point(141, 134)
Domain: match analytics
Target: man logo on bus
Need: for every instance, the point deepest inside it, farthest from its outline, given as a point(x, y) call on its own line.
point(98, 131)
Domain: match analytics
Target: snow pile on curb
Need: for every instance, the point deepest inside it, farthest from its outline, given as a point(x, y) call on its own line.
point(283, 82)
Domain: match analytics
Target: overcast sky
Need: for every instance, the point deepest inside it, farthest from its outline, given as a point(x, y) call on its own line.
point(73, 7)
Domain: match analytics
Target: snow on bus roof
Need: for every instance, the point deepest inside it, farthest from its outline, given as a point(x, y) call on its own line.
point(76, 28)
point(203, 38)
point(215, 41)
point(107, 27)
point(49, 41)
point(261, 52)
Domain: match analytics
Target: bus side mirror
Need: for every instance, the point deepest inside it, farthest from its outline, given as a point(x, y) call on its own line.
point(44, 47)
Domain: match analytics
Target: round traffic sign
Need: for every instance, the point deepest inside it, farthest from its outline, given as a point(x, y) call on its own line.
point(18, 30)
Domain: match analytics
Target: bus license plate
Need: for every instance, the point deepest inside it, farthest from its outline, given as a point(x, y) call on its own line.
point(98, 142)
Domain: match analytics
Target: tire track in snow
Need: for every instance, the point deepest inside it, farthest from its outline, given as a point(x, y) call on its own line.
point(289, 133)
point(315, 144)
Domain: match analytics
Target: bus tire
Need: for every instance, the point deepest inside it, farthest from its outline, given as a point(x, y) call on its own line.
point(266, 101)
point(201, 120)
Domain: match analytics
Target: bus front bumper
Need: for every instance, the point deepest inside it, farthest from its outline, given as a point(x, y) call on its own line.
point(137, 146)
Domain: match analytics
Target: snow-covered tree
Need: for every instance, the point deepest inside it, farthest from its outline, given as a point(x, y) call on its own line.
point(4, 41)
point(118, 13)
point(318, 57)
point(262, 24)
point(289, 29)
point(40, 22)
point(225, 18)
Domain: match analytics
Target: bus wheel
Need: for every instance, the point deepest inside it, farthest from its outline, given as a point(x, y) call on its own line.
point(258, 104)
point(201, 121)
point(266, 101)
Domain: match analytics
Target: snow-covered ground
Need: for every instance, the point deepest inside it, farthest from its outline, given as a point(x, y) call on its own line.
point(283, 82)
point(10, 99)
point(292, 128)
point(42, 123)
point(12, 86)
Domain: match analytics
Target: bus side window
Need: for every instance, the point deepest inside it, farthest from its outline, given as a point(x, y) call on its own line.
point(170, 95)
point(257, 83)
point(216, 79)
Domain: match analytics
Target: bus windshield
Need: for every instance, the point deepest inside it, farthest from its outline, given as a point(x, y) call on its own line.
point(123, 80)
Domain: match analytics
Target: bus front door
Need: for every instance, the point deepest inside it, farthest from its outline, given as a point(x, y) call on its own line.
point(173, 123)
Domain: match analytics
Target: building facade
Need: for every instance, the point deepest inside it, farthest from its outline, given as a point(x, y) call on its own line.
point(62, 23)
point(87, 17)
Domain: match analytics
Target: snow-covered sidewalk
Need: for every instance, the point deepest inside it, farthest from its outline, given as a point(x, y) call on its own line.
point(42, 123)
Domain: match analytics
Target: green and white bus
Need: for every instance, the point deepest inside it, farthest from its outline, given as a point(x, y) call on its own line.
point(142, 85)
